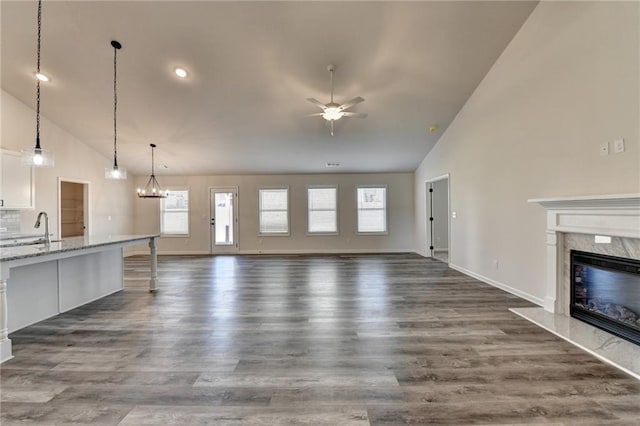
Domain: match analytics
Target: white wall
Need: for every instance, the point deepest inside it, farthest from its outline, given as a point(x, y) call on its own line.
point(74, 160)
point(567, 83)
point(400, 213)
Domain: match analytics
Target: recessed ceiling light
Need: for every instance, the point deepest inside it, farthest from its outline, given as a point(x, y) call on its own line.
point(181, 72)
point(333, 165)
point(40, 76)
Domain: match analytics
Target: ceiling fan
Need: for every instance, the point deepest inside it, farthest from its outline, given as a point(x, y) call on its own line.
point(333, 111)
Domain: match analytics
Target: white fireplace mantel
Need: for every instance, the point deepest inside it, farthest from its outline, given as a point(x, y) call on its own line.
point(614, 215)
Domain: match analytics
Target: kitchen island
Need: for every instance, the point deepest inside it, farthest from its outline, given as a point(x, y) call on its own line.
point(39, 281)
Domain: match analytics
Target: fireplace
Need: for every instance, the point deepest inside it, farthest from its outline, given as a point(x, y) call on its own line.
point(605, 292)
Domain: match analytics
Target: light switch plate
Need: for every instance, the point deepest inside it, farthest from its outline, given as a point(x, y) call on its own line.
point(604, 148)
point(618, 146)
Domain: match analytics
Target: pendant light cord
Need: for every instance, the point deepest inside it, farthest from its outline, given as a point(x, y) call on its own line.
point(152, 161)
point(37, 79)
point(115, 107)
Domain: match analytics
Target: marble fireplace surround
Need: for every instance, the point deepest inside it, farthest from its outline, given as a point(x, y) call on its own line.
point(573, 223)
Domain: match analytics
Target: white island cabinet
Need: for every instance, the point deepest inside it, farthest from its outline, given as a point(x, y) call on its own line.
point(40, 281)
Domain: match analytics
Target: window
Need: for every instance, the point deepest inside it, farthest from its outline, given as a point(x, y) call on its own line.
point(372, 209)
point(322, 215)
point(274, 211)
point(174, 213)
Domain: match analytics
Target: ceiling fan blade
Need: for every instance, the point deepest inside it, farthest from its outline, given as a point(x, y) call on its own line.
point(317, 103)
point(350, 103)
point(354, 114)
point(317, 114)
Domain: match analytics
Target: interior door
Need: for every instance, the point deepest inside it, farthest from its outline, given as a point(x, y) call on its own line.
point(72, 209)
point(224, 219)
point(439, 218)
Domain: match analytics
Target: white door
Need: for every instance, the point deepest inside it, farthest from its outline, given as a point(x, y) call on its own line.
point(224, 220)
point(438, 218)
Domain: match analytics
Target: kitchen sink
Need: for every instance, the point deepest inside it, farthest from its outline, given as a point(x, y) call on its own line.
point(26, 243)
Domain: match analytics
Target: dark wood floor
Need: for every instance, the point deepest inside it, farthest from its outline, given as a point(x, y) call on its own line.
point(318, 340)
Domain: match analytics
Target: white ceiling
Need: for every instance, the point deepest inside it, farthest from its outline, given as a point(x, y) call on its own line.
point(252, 65)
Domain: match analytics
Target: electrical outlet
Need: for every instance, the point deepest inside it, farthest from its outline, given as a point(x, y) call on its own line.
point(604, 149)
point(454, 215)
point(618, 146)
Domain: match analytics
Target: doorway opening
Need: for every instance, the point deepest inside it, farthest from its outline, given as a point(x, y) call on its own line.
point(438, 214)
point(224, 219)
point(73, 208)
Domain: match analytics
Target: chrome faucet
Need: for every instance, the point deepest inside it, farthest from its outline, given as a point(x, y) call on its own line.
point(47, 237)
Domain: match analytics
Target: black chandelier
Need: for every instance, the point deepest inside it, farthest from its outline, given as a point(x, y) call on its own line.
point(152, 189)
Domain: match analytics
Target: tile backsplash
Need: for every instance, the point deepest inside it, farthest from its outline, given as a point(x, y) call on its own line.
point(10, 219)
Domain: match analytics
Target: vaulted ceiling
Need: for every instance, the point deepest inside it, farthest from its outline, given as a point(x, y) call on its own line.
point(251, 66)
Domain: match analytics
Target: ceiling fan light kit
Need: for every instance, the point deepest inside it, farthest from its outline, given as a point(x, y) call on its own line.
point(334, 111)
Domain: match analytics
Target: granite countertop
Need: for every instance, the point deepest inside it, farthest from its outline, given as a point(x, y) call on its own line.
point(67, 244)
point(4, 236)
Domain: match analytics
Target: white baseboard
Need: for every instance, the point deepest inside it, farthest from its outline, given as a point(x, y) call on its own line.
point(328, 251)
point(531, 298)
point(274, 252)
point(168, 253)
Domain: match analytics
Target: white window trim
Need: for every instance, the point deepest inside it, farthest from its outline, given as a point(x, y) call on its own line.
point(337, 232)
point(188, 234)
point(275, 234)
point(386, 211)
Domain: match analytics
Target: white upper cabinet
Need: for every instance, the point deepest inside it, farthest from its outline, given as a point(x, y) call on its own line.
point(17, 184)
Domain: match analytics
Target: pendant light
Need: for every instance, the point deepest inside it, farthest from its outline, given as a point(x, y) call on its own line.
point(115, 172)
point(152, 189)
point(37, 156)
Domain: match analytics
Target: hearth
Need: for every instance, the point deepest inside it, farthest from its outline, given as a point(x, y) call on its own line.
point(605, 292)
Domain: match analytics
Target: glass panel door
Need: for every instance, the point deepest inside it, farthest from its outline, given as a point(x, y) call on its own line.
point(224, 220)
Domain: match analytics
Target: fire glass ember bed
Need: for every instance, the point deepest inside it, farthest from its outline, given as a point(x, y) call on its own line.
point(605, 292)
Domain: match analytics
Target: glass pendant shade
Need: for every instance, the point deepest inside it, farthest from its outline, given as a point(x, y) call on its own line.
point(152, 189)
point(37, 157)
point(115, 172)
